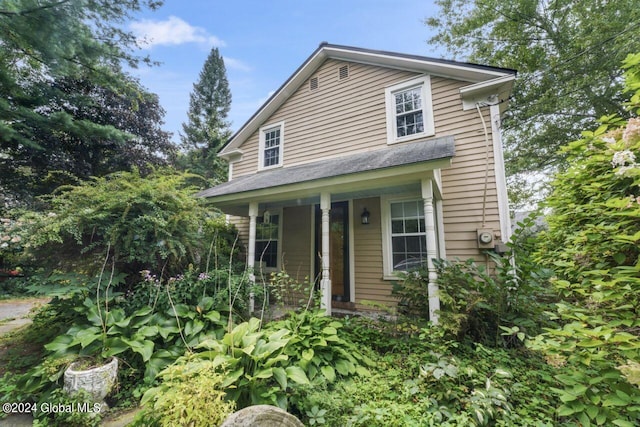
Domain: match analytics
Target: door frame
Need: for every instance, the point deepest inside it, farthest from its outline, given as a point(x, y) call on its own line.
point(347, 242)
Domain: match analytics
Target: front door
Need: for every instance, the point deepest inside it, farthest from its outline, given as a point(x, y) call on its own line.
point(338, 249)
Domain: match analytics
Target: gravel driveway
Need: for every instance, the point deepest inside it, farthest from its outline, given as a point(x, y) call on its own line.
point(17, 311)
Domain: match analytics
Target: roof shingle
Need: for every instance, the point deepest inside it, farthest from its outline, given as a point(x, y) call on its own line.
point(393, 156)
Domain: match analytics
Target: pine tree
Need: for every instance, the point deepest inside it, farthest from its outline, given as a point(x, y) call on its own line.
point(209, 104)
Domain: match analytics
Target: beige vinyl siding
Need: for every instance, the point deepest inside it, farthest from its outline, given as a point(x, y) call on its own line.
point(464, 182)
point(368, 255)
point(340, 117)
point(242, 224)
point(346, 116)
point(296, 242)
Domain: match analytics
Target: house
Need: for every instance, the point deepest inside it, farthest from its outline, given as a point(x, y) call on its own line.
point(365, 163)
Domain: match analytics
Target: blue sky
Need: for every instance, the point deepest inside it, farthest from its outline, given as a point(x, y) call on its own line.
point(264, 42)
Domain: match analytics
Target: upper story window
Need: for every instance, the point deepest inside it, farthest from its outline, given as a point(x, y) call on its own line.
point(409, 110)
point(271, 143)
point(409, 117)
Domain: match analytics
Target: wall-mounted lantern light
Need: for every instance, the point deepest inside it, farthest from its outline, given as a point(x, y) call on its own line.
point(365, 216)
point(266, 218)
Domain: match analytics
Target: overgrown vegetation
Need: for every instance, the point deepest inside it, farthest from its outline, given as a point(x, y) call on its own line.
point(141, 271)
point(593, 246)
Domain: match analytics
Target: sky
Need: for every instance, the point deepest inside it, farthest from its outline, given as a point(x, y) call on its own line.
point(263, 43)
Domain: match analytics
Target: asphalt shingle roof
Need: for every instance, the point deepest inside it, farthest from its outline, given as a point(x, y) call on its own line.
point(393, 156)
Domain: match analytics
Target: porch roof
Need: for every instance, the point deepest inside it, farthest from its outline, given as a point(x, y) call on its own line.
point(389, 157)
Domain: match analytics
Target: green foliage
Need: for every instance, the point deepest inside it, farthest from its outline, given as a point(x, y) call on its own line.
point(567, 54)
point(277, 365)
point(85, 150)
point(286, 291)
point(592, 244)
point(227, 291)
point(207, 129)
point(190, 394)
point(481, 302)
point(252, 363)
point(145, 341)
point(45, 47)
point(413, 293)
point(426, 380)
point(316, 415)
point(136, 221)
point(209, 104)
point(64, 410)
point(320, 349)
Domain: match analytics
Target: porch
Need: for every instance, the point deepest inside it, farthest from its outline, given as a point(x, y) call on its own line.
point(350, 221)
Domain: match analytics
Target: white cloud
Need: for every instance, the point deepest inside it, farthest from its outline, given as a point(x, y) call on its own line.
point(260, 102)
point(236, 64)
point(173, 31)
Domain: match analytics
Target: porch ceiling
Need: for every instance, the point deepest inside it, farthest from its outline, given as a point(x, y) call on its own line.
point(392, 167)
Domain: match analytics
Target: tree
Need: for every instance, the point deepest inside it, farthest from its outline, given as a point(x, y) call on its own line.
point(567, 53)
point(593, 246)
point(46, 42)
point(207, 128)
point(110, 131)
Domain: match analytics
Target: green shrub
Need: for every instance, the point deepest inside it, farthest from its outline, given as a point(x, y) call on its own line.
point(496, 303)
point(285, 291)
point(190, 393)
point(64, 410)
point(320, 349)
point(228, 291)
point(481, 305)
point(138, 222)
point(277, 365)
point(593, 245)
point(439, 383)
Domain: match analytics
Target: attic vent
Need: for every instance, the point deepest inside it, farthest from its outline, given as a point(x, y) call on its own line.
point(344, 72)
point(313, 83)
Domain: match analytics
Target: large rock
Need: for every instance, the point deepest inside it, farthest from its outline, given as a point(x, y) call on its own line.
point(262, 416)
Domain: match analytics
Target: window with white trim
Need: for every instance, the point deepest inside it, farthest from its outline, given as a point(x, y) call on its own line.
point(267, 234)
point(271, 143)
point(404, 235)
point(408, 235)
point(409, 110)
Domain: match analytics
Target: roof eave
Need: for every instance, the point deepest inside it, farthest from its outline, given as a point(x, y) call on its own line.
point(353, 181)
point(491, 92)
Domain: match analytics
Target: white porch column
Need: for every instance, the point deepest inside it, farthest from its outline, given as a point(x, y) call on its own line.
point(251, 256)
point(325, 282)
point(430, 228)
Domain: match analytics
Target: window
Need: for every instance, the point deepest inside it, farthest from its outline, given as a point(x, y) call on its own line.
point(267, 241)
point(408, 237)
point(409, 110)
point(271, 142)
point(404, 234)
point(408, 105)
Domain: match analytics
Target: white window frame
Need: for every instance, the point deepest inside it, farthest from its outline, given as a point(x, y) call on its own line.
point(422, 82)
point(278, 241)
point(387, 242)
point(263, 131)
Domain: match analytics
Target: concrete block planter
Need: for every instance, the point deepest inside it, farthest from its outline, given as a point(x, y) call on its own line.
point(98, 381)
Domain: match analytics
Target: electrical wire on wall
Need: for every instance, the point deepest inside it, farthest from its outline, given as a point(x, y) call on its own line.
point(492, 100)
point(486, 163)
